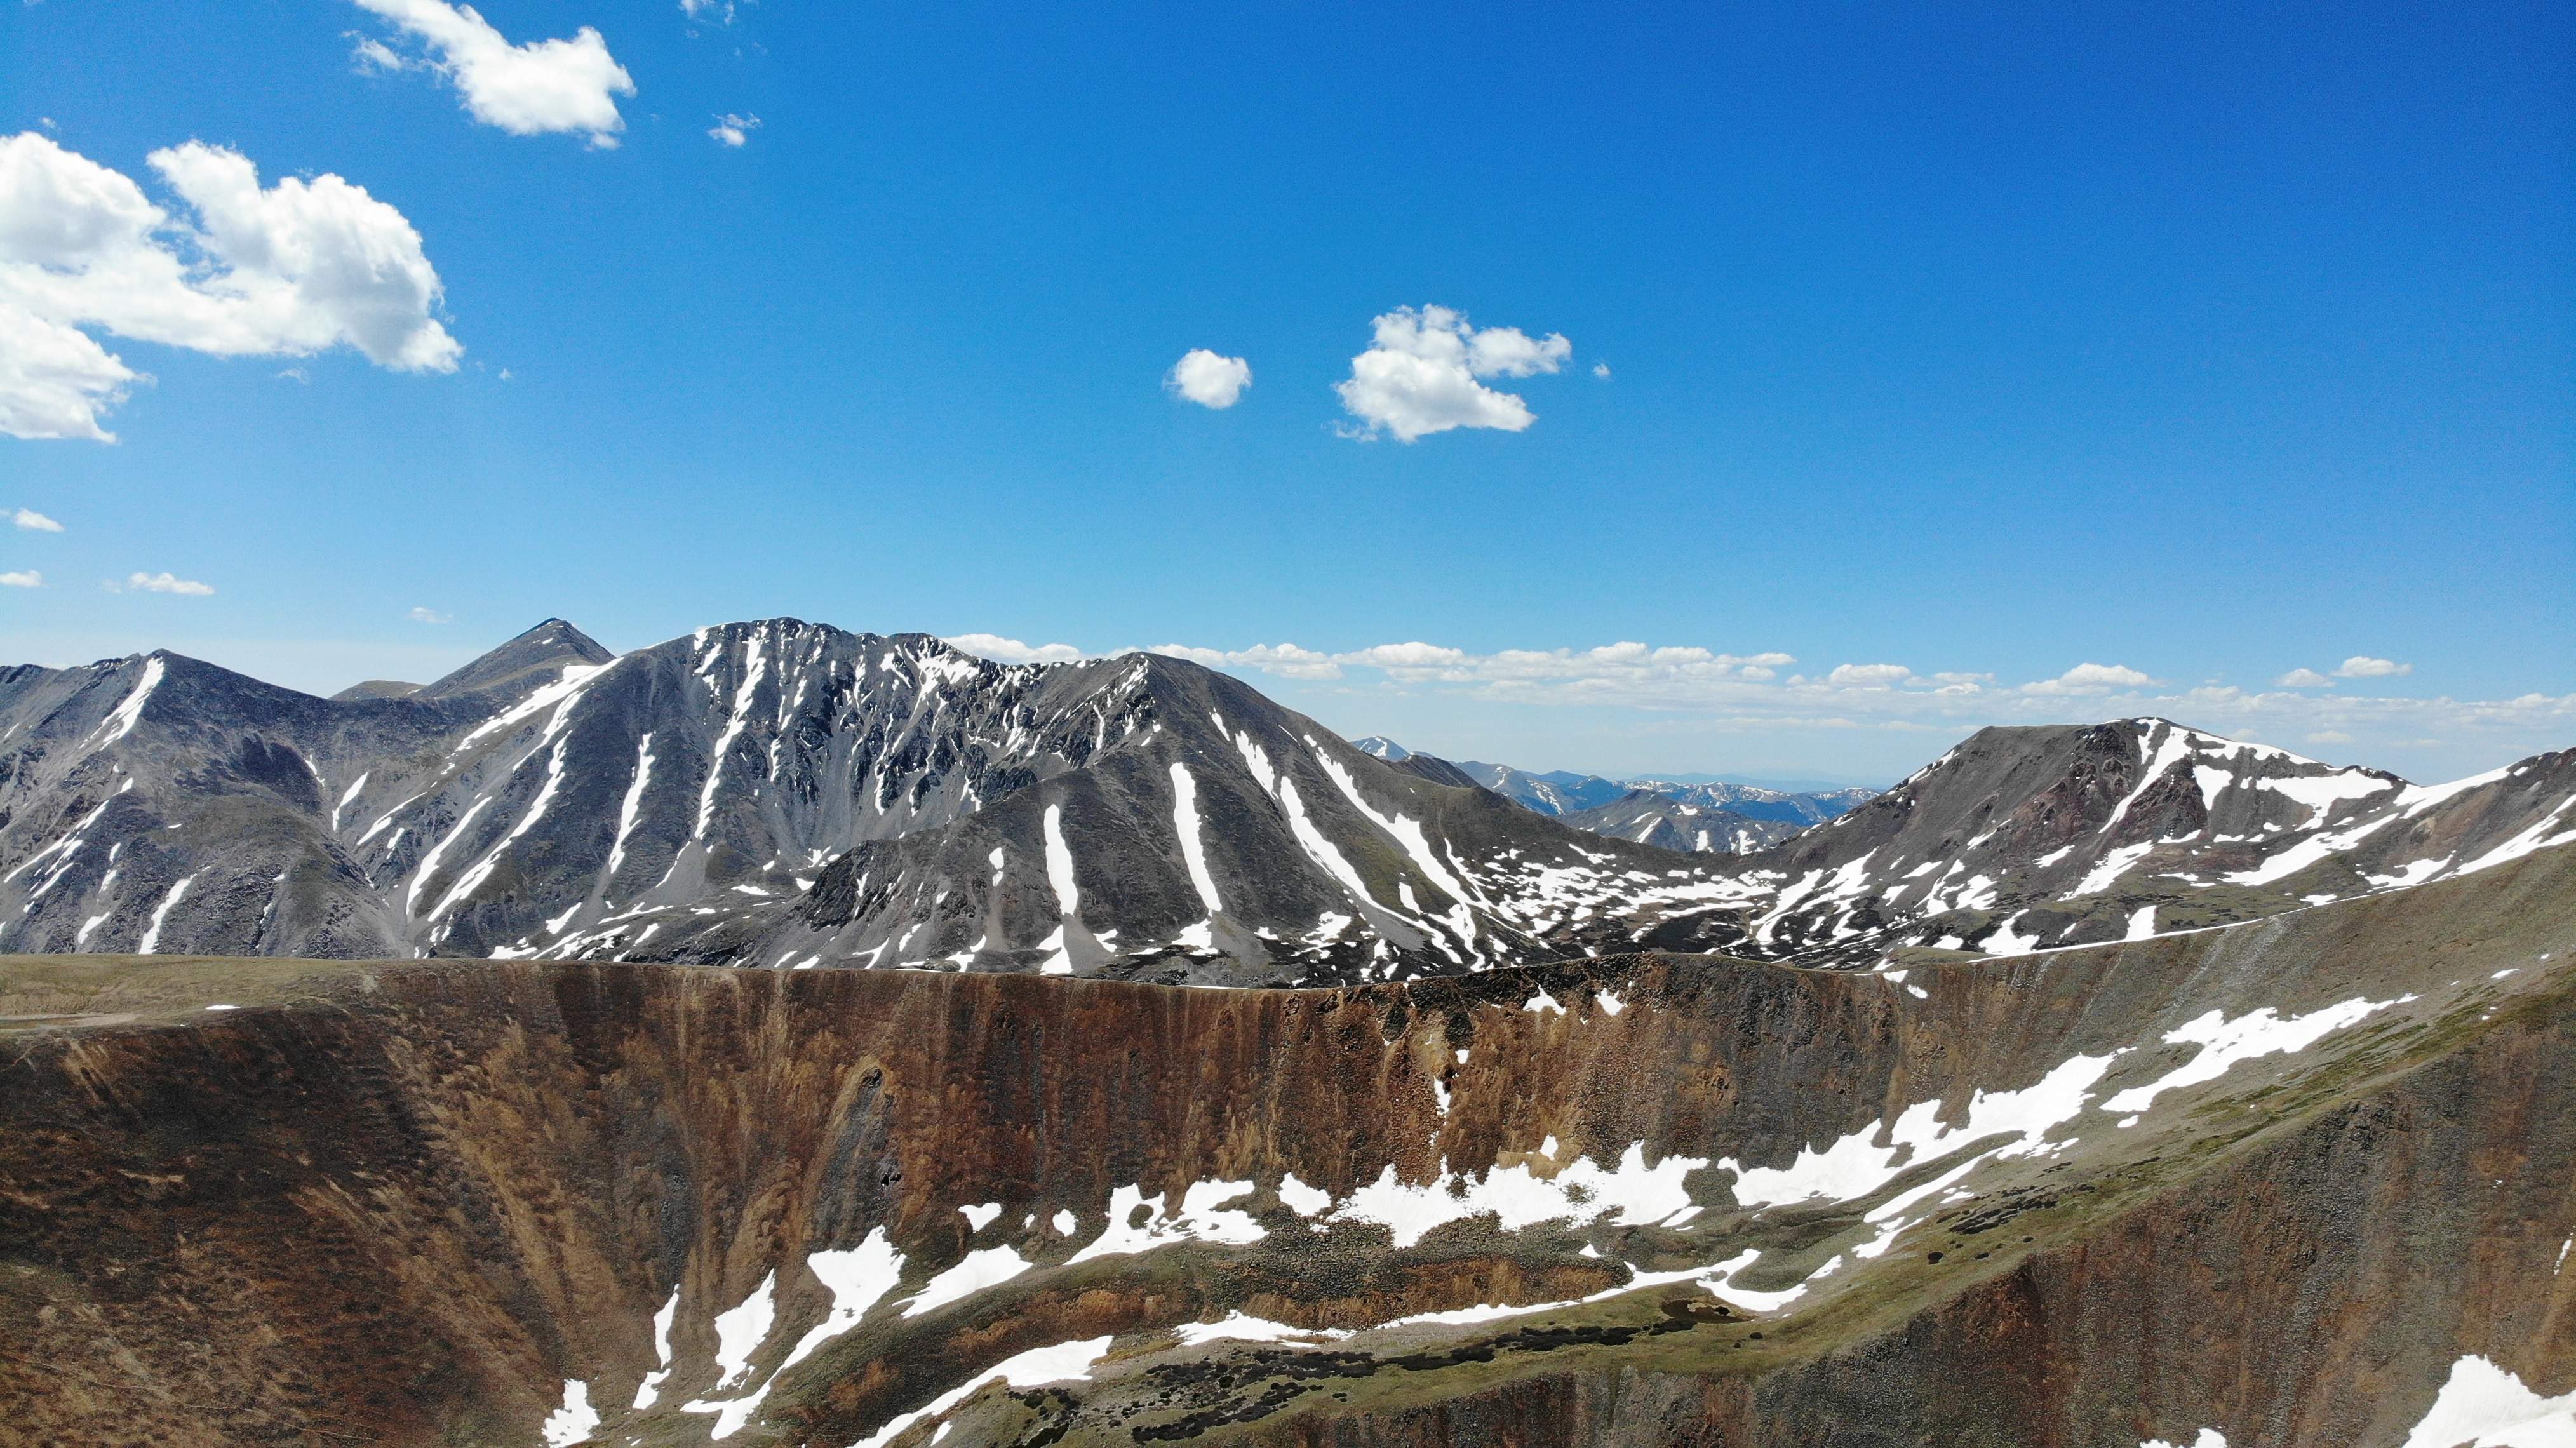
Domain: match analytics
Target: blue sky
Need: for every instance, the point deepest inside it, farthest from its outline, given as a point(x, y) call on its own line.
point(2197, 344)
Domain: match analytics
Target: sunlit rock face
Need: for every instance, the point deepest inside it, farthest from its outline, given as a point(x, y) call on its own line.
point(2278, 1182)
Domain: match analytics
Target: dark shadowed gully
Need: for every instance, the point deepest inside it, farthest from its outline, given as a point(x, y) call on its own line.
point(2304, 1180)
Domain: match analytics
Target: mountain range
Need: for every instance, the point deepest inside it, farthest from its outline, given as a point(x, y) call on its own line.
point(1702, 814)
point(789, 794)
point(774, 793)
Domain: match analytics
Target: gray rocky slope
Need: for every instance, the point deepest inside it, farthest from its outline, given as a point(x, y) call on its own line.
point(788, 794)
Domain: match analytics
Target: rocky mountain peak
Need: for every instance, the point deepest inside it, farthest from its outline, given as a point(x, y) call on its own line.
point(522, 663)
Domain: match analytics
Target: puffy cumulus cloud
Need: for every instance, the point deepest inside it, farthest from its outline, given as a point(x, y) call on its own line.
point(1012, 651)
point(1208, 379)
point(2304, 679)
point(2362, 666)
point(55, 380)
point(1419, 375)
point(733, 130)
point(290, 269)
point(1868, 676)
point(29, 579)
point(162, 583)
point(30, 518)
point(527, 90)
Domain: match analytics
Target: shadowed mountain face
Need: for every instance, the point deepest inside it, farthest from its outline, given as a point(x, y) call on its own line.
point(789, 794)
point(2306, 1181)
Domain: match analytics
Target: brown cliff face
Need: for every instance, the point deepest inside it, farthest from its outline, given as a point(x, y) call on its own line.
point(407, 1203)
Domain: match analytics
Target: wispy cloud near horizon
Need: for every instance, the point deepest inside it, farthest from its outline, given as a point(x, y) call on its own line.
point(1705, 690)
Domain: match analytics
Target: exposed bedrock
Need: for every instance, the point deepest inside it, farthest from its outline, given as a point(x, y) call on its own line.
point(415, 1203)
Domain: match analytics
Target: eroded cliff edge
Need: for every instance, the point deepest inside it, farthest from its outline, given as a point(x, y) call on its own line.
point(417, 1203)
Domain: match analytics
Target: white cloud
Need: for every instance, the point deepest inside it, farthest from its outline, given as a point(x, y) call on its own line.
point(30, 518)
point(544, 85)
point(1208, 379)
point(1419, 376)
point(2362, 666)
point(29, 579)
point(733, 130)
point(292, 269)
point(164, 583)
point(1601, 370)
point(1699, 689)
point(1609, 666)
point(2304, 679)
point(2089, 681)
point(429, 615)
point(54, 380)
point(1012, 651)
point(1868, 676)
point(2330, 736)
point(722, 10)
point(1285, 660)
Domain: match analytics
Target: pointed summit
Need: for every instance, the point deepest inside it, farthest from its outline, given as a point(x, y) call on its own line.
point(547, 648)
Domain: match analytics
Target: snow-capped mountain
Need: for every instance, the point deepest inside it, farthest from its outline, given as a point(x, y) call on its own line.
point(1704, 816)
point(1557, 792)
point(789, 794)
point(2020, 839)
point(1673, 822)
point(777, 793)
point(1753, 801)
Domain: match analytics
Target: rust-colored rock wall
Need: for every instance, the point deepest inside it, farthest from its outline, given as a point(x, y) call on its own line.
point(2314, 1292)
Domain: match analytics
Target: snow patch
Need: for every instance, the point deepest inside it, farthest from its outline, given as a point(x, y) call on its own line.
point(1632, 1192)
point(1197, 1220)
point(122, 719)
point(2485, 1406)
point(2224, 1043)
point(574, 1421)
point(1185, 822)
point(651, 1387)
point(1030, 1369)
point(1306, 1201)
point(989, 1268)
point(151, 942)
